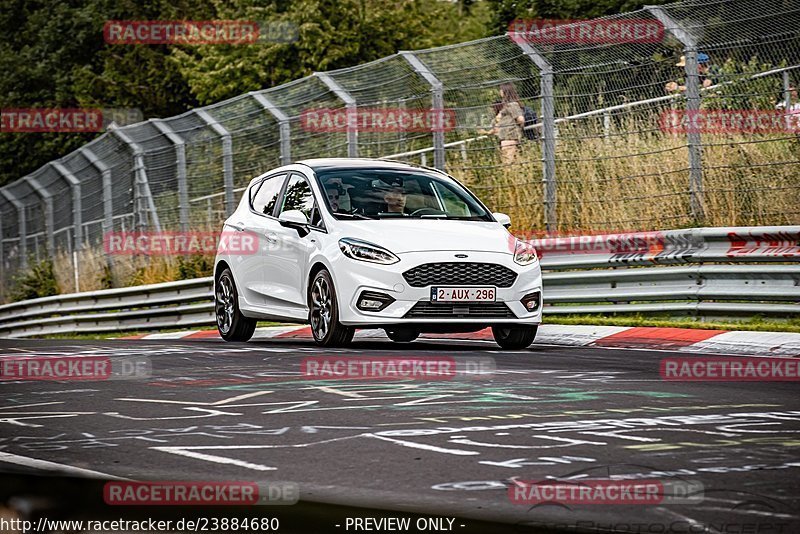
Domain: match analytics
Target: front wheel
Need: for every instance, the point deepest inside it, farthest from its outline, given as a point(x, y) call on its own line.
point(514, 337)
point(323, 313)
point(232, 325)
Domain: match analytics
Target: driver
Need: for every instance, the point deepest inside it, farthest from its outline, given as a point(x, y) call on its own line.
point(333, 192)
point(395, 199)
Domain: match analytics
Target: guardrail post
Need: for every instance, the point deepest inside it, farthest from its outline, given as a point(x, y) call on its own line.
point(21, 224)
point(180, 171)
point(352, 111)
point(77, 208)
point(283, 126)
point(437, 89)
point(693, 140)
point(548, 132)
point(227, 157)
point(141, 184)
point(47, 198)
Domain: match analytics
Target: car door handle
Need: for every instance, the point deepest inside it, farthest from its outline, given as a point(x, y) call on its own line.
point(239, 227)
point(272, 237)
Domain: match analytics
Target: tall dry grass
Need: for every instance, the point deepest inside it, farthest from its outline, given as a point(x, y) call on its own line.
point(635, 177)
point(96, 271)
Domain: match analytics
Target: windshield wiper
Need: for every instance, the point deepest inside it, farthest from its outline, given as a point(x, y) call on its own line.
point(352, 216)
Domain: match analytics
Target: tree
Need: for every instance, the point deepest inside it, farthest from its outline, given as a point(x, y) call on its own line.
point(506, 11)
point(331, 34)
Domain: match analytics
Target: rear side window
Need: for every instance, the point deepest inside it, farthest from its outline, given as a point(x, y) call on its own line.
point(266, 194)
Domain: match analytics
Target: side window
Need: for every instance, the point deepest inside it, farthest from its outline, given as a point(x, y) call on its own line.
point(298, 196)
point(265, 198)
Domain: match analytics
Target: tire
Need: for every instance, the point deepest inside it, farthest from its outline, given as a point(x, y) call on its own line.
point(402, 335)
point(231, 324)
point(514, 337)
point(323, 313)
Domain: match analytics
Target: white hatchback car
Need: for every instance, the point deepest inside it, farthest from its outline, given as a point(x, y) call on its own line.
point(359, 243)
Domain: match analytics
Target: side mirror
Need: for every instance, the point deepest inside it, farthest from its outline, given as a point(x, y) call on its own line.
point(294, 219)
point(503, 219)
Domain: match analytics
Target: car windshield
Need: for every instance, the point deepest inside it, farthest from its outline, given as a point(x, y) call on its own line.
point(363, 193)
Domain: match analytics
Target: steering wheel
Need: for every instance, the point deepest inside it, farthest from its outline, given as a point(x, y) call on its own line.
point(427, 211)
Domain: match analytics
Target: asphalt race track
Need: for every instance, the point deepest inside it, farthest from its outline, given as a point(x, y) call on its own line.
point(446, 448)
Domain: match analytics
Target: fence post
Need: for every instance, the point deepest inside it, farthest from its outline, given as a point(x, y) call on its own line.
point(694, 143)
point(180, 171)
point(283, 125)
point(47, 198)
point(77, 208)
point(350, 106)
point(548, 132)
point(227, 157)
point(141, 184)
point(21, 225)
point(108, 200)
point(437, 89)
point(787, 95)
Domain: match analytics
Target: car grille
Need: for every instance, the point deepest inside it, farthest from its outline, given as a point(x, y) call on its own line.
point(460, 274)
point(482, 310)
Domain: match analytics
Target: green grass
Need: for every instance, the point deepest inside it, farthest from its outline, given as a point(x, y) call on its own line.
point(756, 323)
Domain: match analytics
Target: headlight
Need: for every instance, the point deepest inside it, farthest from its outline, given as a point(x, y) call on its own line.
point(524, 253)
point(363, 251)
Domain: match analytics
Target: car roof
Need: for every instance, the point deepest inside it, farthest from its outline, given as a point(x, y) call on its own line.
point(322, 164)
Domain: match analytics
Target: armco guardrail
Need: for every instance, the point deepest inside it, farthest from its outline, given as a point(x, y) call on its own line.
point(703, 272)
point(157, 306)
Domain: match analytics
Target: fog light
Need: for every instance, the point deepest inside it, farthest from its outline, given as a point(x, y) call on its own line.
point(531, 301)
point(372, 301)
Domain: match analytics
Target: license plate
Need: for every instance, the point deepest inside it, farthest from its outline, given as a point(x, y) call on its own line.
point(463, 294)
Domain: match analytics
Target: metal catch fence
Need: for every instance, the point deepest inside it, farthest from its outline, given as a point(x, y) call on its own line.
point(606, 154)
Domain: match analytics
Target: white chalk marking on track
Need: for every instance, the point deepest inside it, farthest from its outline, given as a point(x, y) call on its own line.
point(216, 459)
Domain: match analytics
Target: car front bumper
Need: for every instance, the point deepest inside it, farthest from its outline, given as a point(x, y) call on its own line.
point(352, 278)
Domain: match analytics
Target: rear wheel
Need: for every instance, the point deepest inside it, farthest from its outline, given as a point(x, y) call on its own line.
point(402, 335)
point(514, 337)
point(323, 313)
point(232, 325)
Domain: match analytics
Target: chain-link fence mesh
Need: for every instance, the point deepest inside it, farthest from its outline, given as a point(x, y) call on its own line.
point(600, 155)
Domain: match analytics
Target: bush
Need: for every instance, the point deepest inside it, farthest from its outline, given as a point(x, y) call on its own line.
point(39, 281)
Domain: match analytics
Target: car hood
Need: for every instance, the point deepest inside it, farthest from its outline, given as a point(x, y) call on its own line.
point(419, 235)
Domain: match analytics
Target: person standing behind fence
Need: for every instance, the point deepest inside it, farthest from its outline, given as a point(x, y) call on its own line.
point(792, 111)
point(508, 123)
